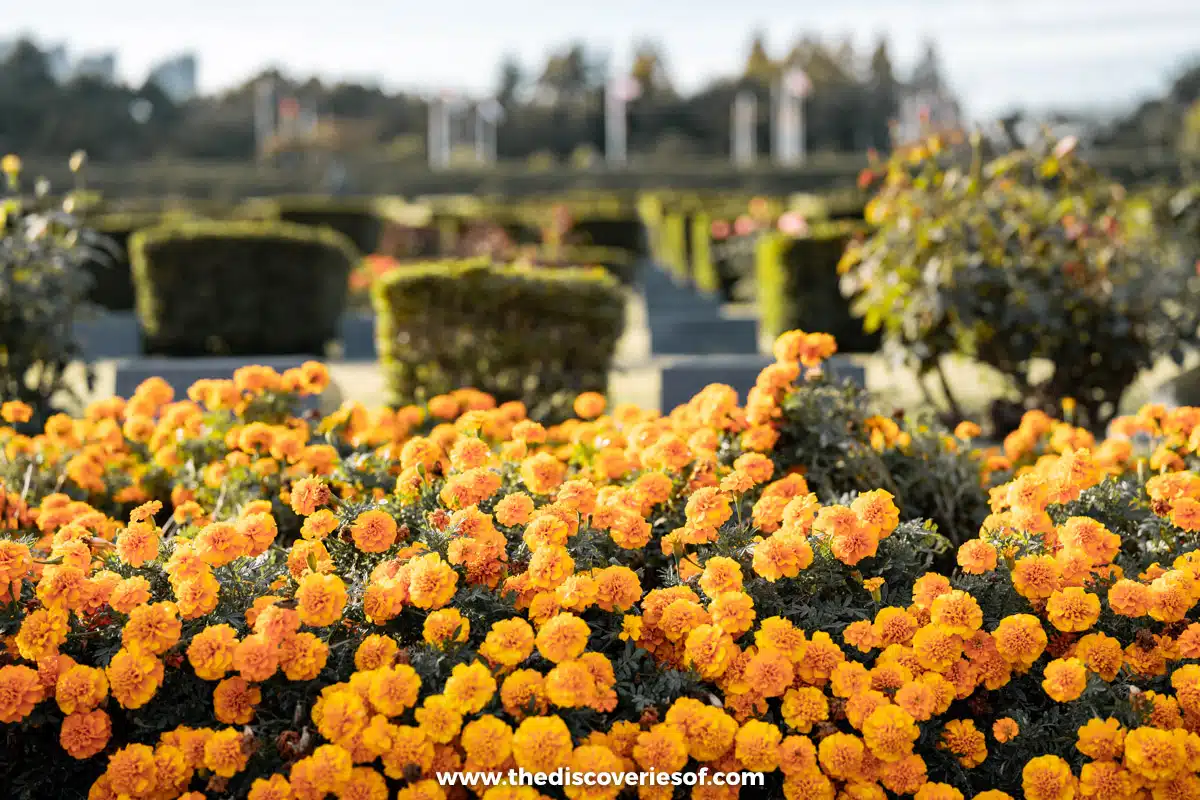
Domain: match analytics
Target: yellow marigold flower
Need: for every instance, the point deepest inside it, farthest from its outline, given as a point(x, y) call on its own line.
point(709, 650)
point(131, 771)
point(1048, 778)
point(309, 494)
point(445, 626)
point(321, 599)
point(85, 734)
point(431, 583)
point(80, 689)
point(133, 678)
point(374, 531)
point(841, 756)
point(137, 544)
point(543, 744)
point(41, 633)
point(563, 637)
point(721, 574)
point(152, 629)
point(440, 718)
point(571, 684)
point(961, 738)
point(976, 557)
point(274, 788)
point(225, 753)
point(1020, 639)
point(470, 687)
point(256, 658)
point(957, 612)
point(1065, 679)
point(937, 647)
point(1005, 729)
point(928, 588)
point(302, 656)
point(319, 524)
point(20, 691)
point(757, 746)
point(1072, 609)
point(1036, 577)
point(1129, 598)
point(523, 693)
point(339, 713)
point(487, 742)
point(14, 412)
point(663, 748)
point(937, 791)
point(234, 700)
point(889, 733)
point(1154, 755)
point(393, 690)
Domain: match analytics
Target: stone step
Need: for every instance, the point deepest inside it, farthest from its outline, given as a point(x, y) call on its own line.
point(108, 334)
point(695, 334)
point(357, 336)
point(681, 378)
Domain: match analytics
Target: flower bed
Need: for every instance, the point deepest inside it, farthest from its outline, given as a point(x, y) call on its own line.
point(211, 597)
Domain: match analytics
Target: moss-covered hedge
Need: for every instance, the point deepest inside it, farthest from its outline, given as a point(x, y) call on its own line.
point(535, 335)
point(239, 288)
point(798, 286)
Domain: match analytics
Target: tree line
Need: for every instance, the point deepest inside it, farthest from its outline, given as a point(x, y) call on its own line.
point(555, 112)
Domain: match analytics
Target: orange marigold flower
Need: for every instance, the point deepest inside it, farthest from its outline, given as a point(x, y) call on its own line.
point(1048, 778)
point(1072, 609)
point(967, 743)
point(543, 744)
point(374, 531)
point(1005, 729)
point(225, 753)
point(1065, 679)
point(85, 733)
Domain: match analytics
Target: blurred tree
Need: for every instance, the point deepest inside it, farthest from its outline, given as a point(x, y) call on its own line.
point(884, 101)
point(510, 82)
point(759, 66)
point(650, 71)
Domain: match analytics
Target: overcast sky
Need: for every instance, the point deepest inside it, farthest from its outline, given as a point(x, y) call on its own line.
point(997, 53)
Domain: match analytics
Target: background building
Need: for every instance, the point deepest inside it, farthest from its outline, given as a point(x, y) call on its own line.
point(176, 77)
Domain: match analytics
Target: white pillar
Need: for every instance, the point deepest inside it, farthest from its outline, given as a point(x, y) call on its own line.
point(745, 115)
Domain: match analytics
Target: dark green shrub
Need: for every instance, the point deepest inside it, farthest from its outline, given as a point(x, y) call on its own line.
point(239, 288)
point(618, 261)
point(540, 336)
point(108, 263)
point(703, 267)
point(356, 219)
point(674, 244)
point(797, 282)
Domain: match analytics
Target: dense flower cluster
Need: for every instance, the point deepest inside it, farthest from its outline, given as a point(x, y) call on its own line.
point(214, 597)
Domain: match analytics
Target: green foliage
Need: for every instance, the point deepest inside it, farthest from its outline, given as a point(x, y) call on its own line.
point(112, 278)
point(43, 283)
point(1021, 257)
point(798, 285)
point(239, 288)
point(704, 270)
point(674, 244)
point(535, 335)
point(618, 261)
point(828, 427)
point(356, 219)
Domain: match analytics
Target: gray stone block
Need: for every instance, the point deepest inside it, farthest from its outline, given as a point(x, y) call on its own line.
point(683, 377)
point(181, 373)
point(358, 336)
point(695, 334)
point(109, 334)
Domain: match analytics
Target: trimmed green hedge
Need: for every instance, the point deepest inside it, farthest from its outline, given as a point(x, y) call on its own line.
point(108, 263)
point(357, 219)
point(540, 336)
point(798, 286)
point(618, 261)
point(703, 268)
point(240, 288)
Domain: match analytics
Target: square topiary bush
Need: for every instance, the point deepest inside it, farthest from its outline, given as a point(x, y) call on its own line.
point(240, 288)
point(107, 261)
point(541, 336)
point(799, 286)
point(355, 218)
